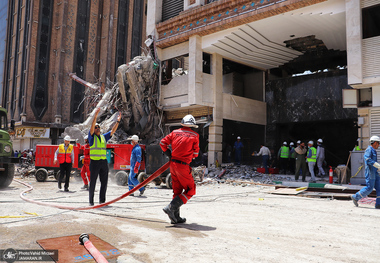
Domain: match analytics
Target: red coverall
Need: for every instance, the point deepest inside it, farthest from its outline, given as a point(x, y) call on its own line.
point(185, 147)
point(86, 164)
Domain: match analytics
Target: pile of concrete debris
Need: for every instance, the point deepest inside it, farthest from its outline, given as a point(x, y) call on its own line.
point(239, 174)
point(135, 96)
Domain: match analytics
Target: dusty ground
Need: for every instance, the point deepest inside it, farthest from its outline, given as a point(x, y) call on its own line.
point(225, 223)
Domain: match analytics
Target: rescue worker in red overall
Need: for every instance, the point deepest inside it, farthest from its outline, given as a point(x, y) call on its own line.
point(65, 155)
point(185, 147)
point(85, 172)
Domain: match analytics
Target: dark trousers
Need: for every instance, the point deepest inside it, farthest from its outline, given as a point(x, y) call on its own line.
point(292, 164)
point(300, 164)
point(284, 164)
point(265, 163)
point(65, 169)
point(99, 167)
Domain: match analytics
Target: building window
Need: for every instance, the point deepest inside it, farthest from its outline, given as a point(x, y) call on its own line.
point(171, 8)
point(122, 33)
point(207, 63)
point(371, 21)
point(39, 102)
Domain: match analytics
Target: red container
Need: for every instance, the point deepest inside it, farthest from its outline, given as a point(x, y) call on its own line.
point(271, 170)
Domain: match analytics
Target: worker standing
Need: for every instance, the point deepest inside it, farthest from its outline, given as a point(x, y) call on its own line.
point(372, 177)
point(65, 155)
point(320, 157)
point(98, 156)
point(185, 147)
point(283, 156)
point(292, 158)
point(135, 163)
point(85, 171)
point(311, 159)
point(300, 160)
point(265, 152)
point(238, 148)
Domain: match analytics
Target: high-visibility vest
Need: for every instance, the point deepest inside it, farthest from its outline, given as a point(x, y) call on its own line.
point(293, 155)
point(64, 156)
point(313, 157)
point(357, 148)
point(284, 152)
point(98, 150)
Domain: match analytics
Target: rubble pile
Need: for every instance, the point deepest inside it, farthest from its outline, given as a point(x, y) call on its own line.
point(240, 175)
point(135, 96)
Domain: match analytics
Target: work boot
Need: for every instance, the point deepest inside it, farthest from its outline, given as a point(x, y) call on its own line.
point(84, 187)
point(142, 192)
point(180, 220)
point(355, 201)
point(171, 209)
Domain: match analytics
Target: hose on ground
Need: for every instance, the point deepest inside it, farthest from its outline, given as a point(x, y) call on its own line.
point(145, 182)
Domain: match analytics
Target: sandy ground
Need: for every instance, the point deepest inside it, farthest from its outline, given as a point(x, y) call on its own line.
point(225, 223)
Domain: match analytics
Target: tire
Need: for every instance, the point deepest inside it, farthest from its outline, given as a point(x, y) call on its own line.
point(41, 175)
point(121, 178)
point(58, 174)
point(142, 177)
point(168, 181)
point(6, 176)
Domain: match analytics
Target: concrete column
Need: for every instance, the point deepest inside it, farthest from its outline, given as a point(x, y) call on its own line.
point(154, 15)
point(195, 70)
point(354, 42)
point(216, 127)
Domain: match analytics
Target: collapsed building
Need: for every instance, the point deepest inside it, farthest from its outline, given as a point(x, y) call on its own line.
point(269, 71)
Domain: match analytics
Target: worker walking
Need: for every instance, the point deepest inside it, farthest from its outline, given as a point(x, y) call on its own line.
point(320, 157)
point(98, 156)
point(65, 155)
point(85, 171)
point(283, 156)
point(265, 152)
point(238, 148)
point(185, 147)
point(311, 160)
point(372, 177)
point(135, 163)
point(300, 160)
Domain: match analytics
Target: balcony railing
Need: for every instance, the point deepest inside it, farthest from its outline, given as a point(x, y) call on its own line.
point(211, 1)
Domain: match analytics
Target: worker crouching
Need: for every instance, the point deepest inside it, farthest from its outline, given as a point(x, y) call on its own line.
point(185, 147)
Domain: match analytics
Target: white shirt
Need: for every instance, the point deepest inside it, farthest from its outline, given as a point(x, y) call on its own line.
point(264, 151)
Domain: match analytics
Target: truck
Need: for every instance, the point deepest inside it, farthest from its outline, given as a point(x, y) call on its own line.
point(118, 157)
point(7, 161)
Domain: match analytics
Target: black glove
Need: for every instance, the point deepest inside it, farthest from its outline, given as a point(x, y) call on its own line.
point(168, 153)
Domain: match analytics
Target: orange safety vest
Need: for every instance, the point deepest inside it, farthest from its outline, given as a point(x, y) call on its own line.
point(64, 156)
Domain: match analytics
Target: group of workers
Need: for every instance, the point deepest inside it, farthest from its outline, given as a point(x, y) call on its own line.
point(184, 144)
point(294, 159)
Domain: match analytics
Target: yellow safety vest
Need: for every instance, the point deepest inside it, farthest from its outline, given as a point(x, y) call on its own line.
point(313, 157)
point(98, 150)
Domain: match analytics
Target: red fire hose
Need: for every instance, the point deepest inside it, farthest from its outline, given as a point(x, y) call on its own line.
point(147, 181)
point(84, 239)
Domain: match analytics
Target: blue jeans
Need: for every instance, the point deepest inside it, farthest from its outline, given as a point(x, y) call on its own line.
point(370, 184)
point(265, 163)
point(311, 170)
point(132, 181)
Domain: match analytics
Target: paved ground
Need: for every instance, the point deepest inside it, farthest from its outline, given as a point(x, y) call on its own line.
point(225, 223)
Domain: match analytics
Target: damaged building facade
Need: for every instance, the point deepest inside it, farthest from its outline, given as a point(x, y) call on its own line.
point(269, 71)
point(46, 41)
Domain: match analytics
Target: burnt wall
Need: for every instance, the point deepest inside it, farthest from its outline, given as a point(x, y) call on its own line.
point(308, 108)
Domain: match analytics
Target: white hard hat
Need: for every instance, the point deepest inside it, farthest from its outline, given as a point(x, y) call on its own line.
point(67, 138)
point(86, 137)
point(285, 143)
point(189, 121)
point(299, 142)
point(310, 142)
point(135, 138)
point(320, 140)
point(374, 139)
point(238, 138)
point(292, 143)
